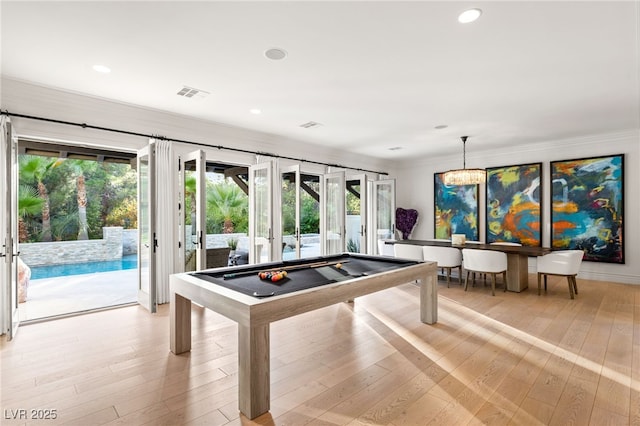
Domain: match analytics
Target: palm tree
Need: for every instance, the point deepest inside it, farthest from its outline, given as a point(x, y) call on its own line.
point(32, 170)
point(29, 204)
point(83, 229)
point(229, 201)
point(78, 166)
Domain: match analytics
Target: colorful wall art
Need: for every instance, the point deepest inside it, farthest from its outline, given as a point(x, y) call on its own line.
point(456, 209)
point(587, 210)
point(513, 204)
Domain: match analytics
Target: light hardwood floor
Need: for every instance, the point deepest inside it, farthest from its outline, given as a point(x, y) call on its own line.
point(509, 359)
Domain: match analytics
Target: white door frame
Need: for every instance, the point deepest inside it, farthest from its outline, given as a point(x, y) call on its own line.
point(382, 210)
point(10, 314)
point(147, 234)
point(295, 169)
point(200, 242)
point(364, 202)
point(261, 213)
point(333, 214)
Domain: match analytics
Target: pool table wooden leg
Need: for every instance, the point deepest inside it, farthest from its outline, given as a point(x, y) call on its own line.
point(429, 298)
point(180, 324)
point(253, 372)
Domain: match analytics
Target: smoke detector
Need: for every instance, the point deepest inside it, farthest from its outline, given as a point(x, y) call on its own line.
point(275, 54)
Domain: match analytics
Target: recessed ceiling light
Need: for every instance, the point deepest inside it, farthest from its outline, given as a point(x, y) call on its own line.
point(256, 111)
point(101, 68)
point(469, 15)
point(275, 53)
point(441, 126)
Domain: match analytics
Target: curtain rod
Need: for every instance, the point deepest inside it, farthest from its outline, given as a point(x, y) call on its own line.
point(220, 147)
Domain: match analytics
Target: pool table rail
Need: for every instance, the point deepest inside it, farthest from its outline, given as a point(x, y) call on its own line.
point(254, 315)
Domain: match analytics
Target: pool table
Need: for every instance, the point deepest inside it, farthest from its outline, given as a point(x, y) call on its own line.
point(239, 294)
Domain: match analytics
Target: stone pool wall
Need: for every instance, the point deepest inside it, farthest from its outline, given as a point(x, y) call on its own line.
point(110, 247)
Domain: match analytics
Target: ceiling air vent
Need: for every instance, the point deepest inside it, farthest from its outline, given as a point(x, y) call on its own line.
point(190, 92)
point(310, 124)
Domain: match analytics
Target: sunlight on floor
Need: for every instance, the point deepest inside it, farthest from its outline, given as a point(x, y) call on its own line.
point(491, 331)
point(78, 293)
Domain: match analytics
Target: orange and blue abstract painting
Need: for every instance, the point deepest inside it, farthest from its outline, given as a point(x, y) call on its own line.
point(513, 204)
point(588, 207)
point(456, 209)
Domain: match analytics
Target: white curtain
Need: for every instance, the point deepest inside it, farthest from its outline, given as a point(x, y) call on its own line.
point(166, 228)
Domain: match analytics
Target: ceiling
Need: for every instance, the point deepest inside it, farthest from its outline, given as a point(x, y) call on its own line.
point(378, 77)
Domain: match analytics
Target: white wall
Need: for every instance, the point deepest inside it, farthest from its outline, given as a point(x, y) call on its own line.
point(21, 98)
point(415, 190)
point(414, 178)
point(27, 99)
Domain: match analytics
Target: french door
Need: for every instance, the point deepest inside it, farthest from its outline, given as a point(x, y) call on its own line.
point(333, 213)
point(147, 237)
point(9, 222)
point(194, 212)
point(260, 213)
point(383, 217)
point(356, 219)
point(289, 236)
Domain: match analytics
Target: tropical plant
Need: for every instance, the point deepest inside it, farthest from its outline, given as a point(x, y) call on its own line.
point(226, 201)
point(124, 214)
point(310, 216)
point(29, 204)
point(83, 232)
point(232, 243)
point(190, 197)
point(32, 171)
point(81, 194)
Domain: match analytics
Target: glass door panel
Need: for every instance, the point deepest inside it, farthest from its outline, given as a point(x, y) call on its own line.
point(146, 228)
point(290, 212)
point(333, 233)
point(356, 219)
point(383, 213)
point(310, 192)
point(260, 213)
point(193, 189)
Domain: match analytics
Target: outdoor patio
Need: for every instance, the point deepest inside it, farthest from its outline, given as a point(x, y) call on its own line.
point(49, 297)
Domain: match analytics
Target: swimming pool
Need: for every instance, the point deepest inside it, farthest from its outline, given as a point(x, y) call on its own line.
point(127, 262)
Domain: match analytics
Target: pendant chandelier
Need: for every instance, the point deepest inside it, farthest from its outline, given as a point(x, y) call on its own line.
point(464, 176)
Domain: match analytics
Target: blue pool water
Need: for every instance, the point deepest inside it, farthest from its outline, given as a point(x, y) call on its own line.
point(127, 262)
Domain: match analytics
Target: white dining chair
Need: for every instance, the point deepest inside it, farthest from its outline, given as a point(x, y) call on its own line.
point(408, 251)
point(485, 261)
point(565, 263)
point(385, 249)
point(446, 258)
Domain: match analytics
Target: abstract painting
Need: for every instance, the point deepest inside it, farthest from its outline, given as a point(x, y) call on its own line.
point(513, 204)
point(588, 207)
point(455, 210)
